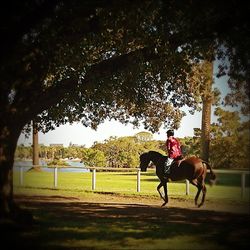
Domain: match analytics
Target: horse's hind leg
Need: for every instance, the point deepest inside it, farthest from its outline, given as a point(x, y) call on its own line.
point(196, 183)
point(204, 191)
point(197, 195)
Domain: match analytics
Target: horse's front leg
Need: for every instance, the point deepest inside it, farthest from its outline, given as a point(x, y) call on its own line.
point(166, 193)
point(159, 190)
point(165, 197)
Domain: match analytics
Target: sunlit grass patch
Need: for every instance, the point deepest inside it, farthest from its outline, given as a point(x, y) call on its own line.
point(78, 184)
point(178, 243)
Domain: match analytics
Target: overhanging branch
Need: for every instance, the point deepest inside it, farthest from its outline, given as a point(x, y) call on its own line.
point(52, 95)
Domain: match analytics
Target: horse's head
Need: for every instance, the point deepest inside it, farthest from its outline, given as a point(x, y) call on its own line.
point(144, 161)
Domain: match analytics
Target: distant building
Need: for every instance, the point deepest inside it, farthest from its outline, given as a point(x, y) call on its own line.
point(76, 145)
point(56, 145)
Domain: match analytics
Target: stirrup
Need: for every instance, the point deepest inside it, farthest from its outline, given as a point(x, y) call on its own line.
point(167, 171)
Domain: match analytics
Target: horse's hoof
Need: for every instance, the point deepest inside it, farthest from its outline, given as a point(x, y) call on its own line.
point(164, 204)
point(200, 205)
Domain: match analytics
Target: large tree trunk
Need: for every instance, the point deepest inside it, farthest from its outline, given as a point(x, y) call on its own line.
point(8, 140)
point(9, 135)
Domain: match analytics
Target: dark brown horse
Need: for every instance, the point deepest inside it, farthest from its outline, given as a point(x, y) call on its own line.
point(193, 169)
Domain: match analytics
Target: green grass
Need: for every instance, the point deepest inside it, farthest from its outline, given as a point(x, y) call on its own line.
point(73, 184)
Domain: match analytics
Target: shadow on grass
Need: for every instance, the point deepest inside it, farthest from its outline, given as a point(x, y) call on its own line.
point(66, 224)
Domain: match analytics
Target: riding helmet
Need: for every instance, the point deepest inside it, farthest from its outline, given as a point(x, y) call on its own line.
point(170, 132)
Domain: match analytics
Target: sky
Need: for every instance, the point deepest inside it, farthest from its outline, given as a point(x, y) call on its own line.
point(78, 134)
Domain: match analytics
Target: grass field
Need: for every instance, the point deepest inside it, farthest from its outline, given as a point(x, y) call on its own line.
point(123, 183)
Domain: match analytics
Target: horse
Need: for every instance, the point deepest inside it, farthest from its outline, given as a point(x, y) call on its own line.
point(193, 169)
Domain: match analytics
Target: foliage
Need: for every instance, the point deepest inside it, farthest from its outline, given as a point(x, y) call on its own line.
point(125, 151)
point(23, 152)
point(229, 146)
point(190, 146)
point(57, 163)
point(230, 140)
point(93, 157)
point(201, 81)
point(90, 60)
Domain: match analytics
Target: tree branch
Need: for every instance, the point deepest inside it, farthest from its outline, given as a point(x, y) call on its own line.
point(104, 69)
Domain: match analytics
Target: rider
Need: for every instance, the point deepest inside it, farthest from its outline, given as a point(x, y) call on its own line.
point(173, 148)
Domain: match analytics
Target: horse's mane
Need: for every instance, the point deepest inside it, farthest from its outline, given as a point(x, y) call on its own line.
point(155, 153)
point(152, 155)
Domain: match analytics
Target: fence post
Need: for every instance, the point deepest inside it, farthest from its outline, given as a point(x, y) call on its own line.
point(93, 178)
point(187, 187)
point(21, 176)
point(243, 175)
point(138, 180)
point(55, 177)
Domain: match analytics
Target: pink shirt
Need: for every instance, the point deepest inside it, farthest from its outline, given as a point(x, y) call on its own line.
point(173, 147)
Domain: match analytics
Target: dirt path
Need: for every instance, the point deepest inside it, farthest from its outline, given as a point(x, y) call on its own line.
point(109, 198)
point(120, 222)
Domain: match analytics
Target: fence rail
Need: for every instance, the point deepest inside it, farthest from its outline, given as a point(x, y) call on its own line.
point(243, 174)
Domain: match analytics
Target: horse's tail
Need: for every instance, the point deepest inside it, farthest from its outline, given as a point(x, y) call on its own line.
point(212, 174)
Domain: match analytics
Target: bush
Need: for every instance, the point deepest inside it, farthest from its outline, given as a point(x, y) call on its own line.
point(58, 163)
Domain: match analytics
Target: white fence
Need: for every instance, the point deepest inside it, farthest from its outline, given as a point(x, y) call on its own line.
point(243, 174)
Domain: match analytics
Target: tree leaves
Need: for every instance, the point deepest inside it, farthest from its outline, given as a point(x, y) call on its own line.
point(94, 60)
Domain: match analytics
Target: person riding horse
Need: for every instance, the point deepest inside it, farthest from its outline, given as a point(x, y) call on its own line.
point(173, 149)
point(191, 168)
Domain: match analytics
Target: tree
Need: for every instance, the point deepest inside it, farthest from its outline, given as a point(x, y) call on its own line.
point(35, 145)
point(23, 152)
point(202, 77)
point(230, 140)
point(93, 158)
point(65, 61)
point(207, 99)
point(124, 151)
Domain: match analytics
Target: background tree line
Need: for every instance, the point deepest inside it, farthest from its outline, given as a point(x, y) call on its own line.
point(229, 145)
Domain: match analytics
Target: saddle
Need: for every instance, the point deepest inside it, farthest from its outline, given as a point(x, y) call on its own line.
point(177, 162)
